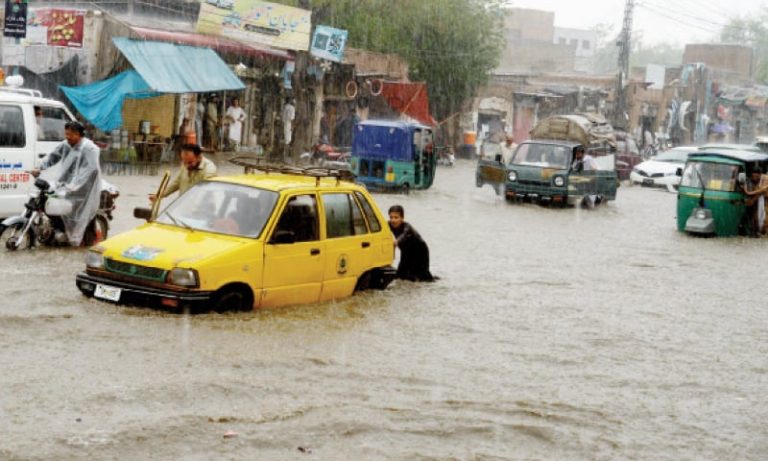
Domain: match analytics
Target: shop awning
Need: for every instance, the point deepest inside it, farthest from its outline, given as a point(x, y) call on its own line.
point(220, 44)
point(172, 68)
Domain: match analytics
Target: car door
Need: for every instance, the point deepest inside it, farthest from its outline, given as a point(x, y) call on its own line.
point(16, 157)
point(294, 255)
point(349, 244)
point(490, 167)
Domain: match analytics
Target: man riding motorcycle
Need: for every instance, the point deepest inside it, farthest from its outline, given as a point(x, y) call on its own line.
point(73, 171)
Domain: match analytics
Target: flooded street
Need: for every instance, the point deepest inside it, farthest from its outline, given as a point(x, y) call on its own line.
point(551, 334)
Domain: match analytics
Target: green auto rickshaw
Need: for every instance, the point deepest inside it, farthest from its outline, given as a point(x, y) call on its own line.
point(710, 198)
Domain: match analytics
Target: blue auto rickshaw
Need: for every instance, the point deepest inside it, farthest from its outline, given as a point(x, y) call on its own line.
point(393, 155)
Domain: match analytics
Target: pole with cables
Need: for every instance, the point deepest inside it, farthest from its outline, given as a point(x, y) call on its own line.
point(620, 102)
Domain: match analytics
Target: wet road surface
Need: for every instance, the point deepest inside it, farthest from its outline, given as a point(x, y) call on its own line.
point(552, 334)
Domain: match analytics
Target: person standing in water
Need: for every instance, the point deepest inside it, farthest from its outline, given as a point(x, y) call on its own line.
point(414, 253)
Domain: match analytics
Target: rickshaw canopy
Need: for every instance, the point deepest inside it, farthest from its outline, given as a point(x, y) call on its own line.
point(385, 139)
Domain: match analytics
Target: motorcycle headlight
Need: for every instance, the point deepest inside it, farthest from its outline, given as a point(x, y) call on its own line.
point(94, 258)
point(512, 175)
point(559, 181)
point(183, 277)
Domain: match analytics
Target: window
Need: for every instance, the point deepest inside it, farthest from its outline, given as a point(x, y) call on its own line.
point(574, 42)
point(562, 41)
point(364, 167)
point(300, 218)
point(585, 44)
point(342, 215)
point(378, 169)
point(12, 127)
point(373, 221)
point(50, 123)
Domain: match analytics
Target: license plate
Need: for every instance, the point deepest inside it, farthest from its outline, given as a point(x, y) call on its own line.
point(647, 182)
point(107, 292)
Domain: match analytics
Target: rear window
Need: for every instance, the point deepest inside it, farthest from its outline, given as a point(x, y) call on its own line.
point(12, 127)
point(373, 221)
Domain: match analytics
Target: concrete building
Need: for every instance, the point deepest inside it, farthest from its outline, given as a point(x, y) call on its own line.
point(530, 45)
point(732, 62)
point(583, 42)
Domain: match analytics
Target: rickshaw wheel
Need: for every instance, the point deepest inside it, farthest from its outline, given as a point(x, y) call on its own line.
point(405, 189)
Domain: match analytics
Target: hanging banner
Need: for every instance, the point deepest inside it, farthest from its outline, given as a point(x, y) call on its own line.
point(15, 18)
point(256, 22)
point(328, 43)
point(62, 27)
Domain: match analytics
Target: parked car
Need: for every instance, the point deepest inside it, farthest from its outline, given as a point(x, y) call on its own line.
point(290, 236)
point(662, 170)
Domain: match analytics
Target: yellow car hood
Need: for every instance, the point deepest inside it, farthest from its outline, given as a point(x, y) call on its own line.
point(166, 247)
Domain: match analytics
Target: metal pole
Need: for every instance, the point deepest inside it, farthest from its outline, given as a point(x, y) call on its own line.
point(620, 105)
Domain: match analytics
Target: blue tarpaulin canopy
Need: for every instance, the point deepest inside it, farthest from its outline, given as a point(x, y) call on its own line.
point(160, 67)
point(171, 68)
point(101, 103)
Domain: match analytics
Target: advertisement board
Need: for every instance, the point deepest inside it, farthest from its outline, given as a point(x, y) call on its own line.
point(256, 22)
point(328, 43)
point(15, 18)
point(62, 27)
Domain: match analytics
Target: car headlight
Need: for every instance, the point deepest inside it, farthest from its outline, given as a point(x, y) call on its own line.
point(512, 176)
point(701, 214)
point(183, 277)
point(94, 257)
point(559, 181)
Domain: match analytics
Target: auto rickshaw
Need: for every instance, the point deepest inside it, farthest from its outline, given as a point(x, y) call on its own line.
point(710, 198)
point(393, 155)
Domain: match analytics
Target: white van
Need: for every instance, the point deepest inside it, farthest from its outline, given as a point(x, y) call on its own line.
point(25, 139)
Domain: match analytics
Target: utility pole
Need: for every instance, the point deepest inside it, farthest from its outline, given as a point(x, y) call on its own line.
point(620, 102)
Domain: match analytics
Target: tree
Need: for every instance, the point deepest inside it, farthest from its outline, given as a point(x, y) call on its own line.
point(751, 31)
point(452, 45)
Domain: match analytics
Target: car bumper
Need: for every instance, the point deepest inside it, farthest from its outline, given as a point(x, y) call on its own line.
point(130, 293)
point(662, 181)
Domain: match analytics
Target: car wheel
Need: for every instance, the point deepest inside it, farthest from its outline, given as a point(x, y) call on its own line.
point(364, 282)
point(233, 299)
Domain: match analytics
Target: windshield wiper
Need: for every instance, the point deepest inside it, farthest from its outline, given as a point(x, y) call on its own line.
point(178, 222)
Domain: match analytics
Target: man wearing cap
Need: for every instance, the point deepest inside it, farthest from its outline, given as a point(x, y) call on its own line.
point(508, 148)
point(194, 168)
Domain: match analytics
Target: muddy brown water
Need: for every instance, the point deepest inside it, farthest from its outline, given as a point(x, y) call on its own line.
point(552, 334)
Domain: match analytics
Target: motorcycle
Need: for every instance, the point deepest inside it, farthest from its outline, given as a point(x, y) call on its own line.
point(41, 223)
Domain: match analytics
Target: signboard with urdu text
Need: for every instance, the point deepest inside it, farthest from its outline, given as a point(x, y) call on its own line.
point(62, 27)
point(15, 18)
point(256, 22)
point(328, 43)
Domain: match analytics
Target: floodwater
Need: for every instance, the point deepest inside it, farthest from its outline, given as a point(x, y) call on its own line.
point(551, 335)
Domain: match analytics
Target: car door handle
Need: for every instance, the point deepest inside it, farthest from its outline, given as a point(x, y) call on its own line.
point(314, 251)
point(365, 244)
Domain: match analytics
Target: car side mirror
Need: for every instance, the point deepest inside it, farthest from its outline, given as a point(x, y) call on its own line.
point(498, 158)
point(142, 213)
point(679, 172)
point(283, 236)
point(742, 178)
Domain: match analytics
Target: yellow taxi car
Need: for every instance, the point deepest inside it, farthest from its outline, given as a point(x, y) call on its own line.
point(270, 237)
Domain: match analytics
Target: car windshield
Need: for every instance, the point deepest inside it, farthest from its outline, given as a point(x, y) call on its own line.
point(716, 176)
point(543, 155)
point(672, 155)
point(223, 208)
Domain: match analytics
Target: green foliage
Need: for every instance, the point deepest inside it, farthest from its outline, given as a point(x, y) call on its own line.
point(452, 45)
point(751, 31)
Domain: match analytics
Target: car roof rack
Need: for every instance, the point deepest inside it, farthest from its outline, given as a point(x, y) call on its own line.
point(25, 91)
point(251, 164)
